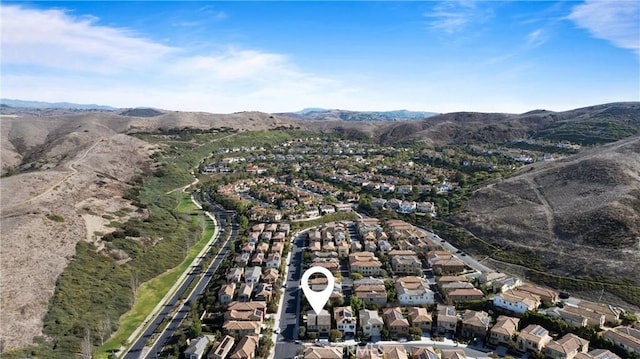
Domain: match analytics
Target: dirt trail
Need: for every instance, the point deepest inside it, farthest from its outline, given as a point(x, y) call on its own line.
point(61, 181)
point(546, 206)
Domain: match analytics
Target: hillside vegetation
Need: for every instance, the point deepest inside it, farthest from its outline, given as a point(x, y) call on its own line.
point(577, 217)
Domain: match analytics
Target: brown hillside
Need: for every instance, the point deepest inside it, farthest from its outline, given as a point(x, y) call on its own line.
point(580, 216)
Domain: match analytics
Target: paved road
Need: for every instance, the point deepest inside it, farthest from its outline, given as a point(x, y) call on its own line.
point(471, 262)
point(137, 350)
point(285, 345)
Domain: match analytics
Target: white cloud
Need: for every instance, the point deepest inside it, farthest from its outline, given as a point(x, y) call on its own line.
point(55, 39)
point(537, 38)
point(51, 55)
point(455, 16)
point(617, 21)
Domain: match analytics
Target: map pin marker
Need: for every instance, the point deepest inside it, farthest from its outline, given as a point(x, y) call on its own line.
point(317, 299)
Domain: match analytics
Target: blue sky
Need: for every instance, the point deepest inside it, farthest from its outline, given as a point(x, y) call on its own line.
point(233, 56)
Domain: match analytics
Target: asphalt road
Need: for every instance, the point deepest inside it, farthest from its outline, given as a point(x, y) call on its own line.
point(285, 345)
point(137, 349)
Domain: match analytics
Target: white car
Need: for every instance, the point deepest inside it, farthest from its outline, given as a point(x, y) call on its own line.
point(277, 331)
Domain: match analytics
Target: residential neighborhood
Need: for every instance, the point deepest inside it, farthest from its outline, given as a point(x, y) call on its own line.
point(399, 289)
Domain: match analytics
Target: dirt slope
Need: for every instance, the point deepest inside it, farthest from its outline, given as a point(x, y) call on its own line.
point(580, 215)
point(77, 167)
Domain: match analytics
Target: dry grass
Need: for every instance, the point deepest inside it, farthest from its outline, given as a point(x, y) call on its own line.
point(581, 216)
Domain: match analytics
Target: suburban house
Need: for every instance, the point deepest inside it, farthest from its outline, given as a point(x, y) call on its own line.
point(273, 260)
point(505, 284)
point(578, 316)
point(235, 275)
point(449, 266)
point(611, 313)
point(405, 262)
point(597, 354)
point(238, 329)
point(452, 354)
point(270, 275)
point(221, 349)
point(322, 353)
point(424, 353)
point(226, 292)
point(246, 348)
point(420, 317)
point(626, 337)
point(516, 301)
point(196, 347)
point(463, 295)
point(370, 323)
point(368, 353)
point(245, 291)
point(345, 320)
point(546, 295)
point(567, 347)
point(394, 352)
point(533, 338)
point(252, 275)
point(365, 263)
point(475, 324)
point(264, 292)
point(447, 320)
point(502, 332)
point(320, 323)
point(413, 291)
point(246, 311)
point(397, 325)
point(371, 293)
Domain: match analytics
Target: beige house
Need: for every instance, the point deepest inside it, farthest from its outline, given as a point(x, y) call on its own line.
point(546, 295)
point(463, 295)
point(504, 329)
point(420, 317)
point(447, 319)
point(397, 325)
point(475, 324)
point(567, 347)
point(394, 352)
point(626, 337)
point(246, 348)
point(370, 323)
point(320, 323)
point(424, 353)
point(365, 263)
point(239, 329)
point(226, 292)
point(533, 338)
point(368, 353)
point(452, 354)
point(322, 353)
point(222, 348)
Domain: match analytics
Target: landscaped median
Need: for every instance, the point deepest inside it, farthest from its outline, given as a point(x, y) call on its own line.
point(151, 293)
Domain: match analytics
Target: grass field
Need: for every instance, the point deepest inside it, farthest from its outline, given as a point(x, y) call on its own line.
point(151, 293)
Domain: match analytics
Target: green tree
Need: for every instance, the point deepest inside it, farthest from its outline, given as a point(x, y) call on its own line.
point(356, 304)
point(335, 335)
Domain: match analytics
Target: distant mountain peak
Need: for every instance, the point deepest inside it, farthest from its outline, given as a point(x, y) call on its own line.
point(56, 105)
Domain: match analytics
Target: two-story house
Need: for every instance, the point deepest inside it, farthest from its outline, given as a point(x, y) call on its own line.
point(345, 320)
point(226, 292)
point(246, 348)
point(567, 347)
point(413, 291)
point(533, 338)
point(252, 275)
point(475, 324)
point(397, 325)
point(446, 319)
point(370, 323)
point(420, 317)
point(221, 349)
point(516, 301)
point(319, 323)
point(504, 329)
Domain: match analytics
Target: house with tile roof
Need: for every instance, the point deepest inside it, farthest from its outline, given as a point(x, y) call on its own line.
point(503, 331)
